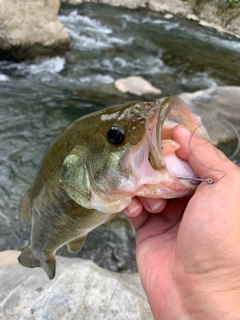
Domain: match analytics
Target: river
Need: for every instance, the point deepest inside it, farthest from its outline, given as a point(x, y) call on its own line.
point(39, 98)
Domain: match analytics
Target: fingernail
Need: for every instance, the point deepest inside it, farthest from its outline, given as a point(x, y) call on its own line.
point(154, 204)
point(133, 206)
point(184, 130)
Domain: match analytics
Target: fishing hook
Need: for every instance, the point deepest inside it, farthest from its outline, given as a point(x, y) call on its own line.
point(209, 180)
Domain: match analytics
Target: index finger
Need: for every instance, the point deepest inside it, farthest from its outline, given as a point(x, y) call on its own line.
point(205, 159)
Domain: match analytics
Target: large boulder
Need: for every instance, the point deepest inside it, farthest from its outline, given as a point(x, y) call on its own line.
point(31, 28)
point(81, 291)
point(218, 108)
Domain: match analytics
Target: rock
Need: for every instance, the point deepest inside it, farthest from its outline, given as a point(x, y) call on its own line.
point(219, 13)
point(175, 7)
point(81, 290)
point(136, 85)
point(31, 28)
point(214, 106)
point(74, 2)
point(123, 3)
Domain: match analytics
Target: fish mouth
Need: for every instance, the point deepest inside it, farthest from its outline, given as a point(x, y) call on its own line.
point(176, 174)
point(156, 155)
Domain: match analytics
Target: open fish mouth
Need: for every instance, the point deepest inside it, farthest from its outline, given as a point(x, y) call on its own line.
point(156, 174)
point(145, 166)
point(156, 155)
point(171, 112)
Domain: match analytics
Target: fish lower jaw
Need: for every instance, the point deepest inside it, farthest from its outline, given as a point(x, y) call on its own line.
point(164, 183)
point(168, 189)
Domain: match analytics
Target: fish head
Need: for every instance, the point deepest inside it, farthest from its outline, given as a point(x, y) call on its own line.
point(128, 151)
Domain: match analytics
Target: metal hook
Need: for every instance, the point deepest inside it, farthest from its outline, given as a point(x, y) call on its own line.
point(209, 180)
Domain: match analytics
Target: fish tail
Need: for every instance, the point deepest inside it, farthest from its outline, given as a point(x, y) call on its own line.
point(27, 259)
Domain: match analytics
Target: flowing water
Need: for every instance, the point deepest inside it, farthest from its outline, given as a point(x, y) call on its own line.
point(38, 99)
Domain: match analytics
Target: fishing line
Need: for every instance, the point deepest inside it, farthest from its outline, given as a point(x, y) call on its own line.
point(233, 155)
point(112, 296)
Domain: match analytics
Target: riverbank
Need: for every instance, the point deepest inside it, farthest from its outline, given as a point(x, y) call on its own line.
point(33, 29)
point(221, 15)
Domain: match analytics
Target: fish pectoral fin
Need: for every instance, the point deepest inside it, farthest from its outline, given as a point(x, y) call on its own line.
point(27, 259)
point(24, 209)
point(76, 244)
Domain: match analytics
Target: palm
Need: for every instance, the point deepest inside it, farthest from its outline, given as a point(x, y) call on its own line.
point(187, 250)
point(156, 242)
point(174, 249)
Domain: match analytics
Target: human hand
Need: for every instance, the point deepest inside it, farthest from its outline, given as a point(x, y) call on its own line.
point(188, 249)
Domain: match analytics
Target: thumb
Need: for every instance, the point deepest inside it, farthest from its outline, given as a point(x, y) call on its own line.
point(206, 160)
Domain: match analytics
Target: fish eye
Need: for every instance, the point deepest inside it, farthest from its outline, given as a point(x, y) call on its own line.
point(116, 135)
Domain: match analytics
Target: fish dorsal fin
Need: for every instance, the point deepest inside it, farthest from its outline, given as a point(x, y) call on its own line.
point(76, 244)
point(23, 209)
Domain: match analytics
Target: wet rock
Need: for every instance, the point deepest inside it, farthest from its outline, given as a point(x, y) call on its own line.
point(124, 3)
point(175, 6)
point(31, 28)
point(81, 290)
point(136, 85)
point(216, 106)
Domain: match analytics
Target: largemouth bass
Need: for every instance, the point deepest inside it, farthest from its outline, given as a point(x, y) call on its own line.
point(96, 165)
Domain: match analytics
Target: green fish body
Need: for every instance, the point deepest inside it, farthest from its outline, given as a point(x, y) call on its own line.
point(95, 166)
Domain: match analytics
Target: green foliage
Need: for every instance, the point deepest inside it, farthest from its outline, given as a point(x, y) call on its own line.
point(225, 3)
point(221, 4)
point(233, 3)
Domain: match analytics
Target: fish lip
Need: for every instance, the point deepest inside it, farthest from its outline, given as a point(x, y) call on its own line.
point(160, 111)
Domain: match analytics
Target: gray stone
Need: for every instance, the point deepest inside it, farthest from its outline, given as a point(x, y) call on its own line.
point(81, 291)
point(214, 106)
point(176, 6)
point(31, 28)
point(220, 13)
point(136, 85)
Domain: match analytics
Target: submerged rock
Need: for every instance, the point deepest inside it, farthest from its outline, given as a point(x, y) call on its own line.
point(81, 290)
point(31, 28)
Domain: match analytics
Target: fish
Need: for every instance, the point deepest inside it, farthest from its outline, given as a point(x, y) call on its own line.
point(97, 164)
